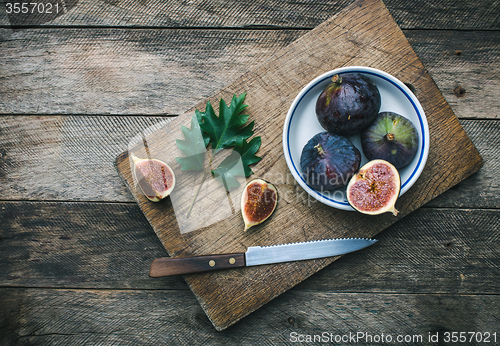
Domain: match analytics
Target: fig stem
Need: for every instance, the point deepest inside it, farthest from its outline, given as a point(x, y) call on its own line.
point(319, 148)
point(394, 211)
point(389, 136)
point(337, 79)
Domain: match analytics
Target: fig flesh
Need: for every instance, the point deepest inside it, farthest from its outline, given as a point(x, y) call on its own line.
point(348, 104)
point(258, 202)
point(155, 178)
point(328, 161)
point(390, 137)
point(375, 188)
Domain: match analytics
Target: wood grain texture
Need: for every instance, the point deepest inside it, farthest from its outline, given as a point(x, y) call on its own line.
point(128, 317)
point(110, 246)
point(78, 245)
point(156, 72)
point(112, 71)
point(66, 157)
point(420, 14)
point(69, 158)
point(169, 266)
point(457, 58)
point(478, 191)
point(364, 34)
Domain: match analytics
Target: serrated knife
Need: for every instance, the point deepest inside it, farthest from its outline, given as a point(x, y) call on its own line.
point(258, 255)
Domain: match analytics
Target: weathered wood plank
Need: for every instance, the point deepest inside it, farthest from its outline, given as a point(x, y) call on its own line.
point(71, 158)
point(78, 245)
point(127, 317)
point(457, 61)
point(89, 245)
point(113, 71)
point(65, 157)
point(481, 189)
point(126, 71)
point(419, 14)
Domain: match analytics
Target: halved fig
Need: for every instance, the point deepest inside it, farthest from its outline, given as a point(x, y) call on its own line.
point(258, 202)
point(155, 178)
point(375, 188)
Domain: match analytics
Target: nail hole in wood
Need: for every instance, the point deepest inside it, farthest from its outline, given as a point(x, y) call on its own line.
point(459, 91)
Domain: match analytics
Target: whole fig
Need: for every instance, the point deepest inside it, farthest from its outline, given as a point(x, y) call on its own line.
point(328, 161)
point(348, 104)
point(390, 137)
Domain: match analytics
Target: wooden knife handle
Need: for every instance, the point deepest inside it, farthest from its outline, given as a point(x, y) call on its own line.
point(188, 265)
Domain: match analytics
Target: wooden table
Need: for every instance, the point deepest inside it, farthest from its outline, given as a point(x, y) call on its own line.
point(75, 248)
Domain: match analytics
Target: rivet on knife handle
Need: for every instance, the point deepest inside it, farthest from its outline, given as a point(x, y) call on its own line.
point(186, 265)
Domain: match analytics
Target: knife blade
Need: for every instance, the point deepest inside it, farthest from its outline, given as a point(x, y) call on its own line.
point(258, 255)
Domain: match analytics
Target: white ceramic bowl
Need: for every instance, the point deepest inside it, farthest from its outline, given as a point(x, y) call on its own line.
point(301, 125)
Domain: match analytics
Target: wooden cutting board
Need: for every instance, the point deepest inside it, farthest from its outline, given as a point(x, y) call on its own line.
point(364, 33)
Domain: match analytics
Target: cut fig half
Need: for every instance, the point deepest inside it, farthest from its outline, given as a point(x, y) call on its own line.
point(375, 188)
point(155, 178)
point(258, 202)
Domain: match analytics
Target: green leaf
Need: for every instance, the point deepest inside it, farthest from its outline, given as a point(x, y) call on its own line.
point(193, 146)
point(237, 163)
point(229, 169)
point(199, 116)
point(247, 152)
point(228, 129)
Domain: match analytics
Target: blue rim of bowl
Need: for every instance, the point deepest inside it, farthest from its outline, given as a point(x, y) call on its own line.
point(321, 80)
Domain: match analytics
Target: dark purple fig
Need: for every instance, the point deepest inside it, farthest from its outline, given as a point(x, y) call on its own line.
point(348, 104)
point(328, 161)
point(391, 137)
